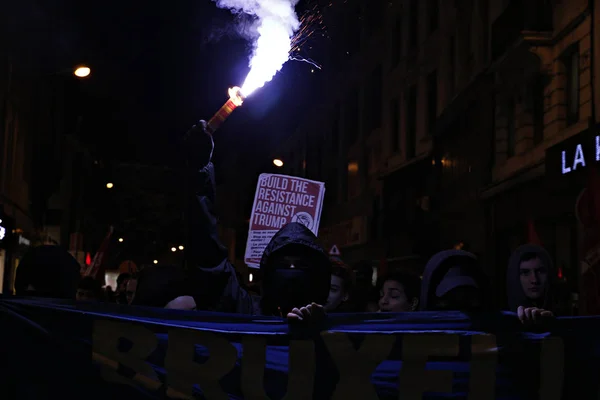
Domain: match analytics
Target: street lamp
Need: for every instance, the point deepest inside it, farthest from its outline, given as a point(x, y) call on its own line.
point(121, 240)
point(155, 261)
point(81, 71)
point(278, 163)
point(173, 249)
point(181, 247)
point(109, 185)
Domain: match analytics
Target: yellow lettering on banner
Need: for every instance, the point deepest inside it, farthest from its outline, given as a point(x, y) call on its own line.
point(301, 371)
point(183, 372)
point(416, 350)
point(484, 359)
point(357, 366)
point(552, 365)
point(105, 342)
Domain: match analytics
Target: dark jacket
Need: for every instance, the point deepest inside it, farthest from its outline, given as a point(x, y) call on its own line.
point(438, 266)
point(216, 285)
point(516, 295)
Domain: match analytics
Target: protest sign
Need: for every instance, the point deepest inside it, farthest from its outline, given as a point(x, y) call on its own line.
point(141, 353)
point(279, 200)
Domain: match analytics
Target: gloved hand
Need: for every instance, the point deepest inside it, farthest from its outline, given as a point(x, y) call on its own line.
point(199, 146)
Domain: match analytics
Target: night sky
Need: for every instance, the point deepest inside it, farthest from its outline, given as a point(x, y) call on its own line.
point(157, 67)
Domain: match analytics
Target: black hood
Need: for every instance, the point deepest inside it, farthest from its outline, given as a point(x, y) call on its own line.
point(51, 270)
point(514, 290)
point(440, 264)
point(286, 288)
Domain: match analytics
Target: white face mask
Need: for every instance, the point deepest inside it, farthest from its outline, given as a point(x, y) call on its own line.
point(182, 303)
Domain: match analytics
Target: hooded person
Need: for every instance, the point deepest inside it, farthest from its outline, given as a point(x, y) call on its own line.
point(296, 270)
point(530, 282)
point(453, 281)
point(48, 271)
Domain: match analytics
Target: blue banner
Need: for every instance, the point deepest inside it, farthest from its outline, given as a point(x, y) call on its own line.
point(53, 348)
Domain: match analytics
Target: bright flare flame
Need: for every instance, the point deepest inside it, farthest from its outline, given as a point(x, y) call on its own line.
point(272, 51)
point(235, 95)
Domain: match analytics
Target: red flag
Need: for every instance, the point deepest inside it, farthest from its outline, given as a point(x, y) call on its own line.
point(532, 235)
point(98, 261)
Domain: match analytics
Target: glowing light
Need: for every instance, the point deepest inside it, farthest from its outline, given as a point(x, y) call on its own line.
point(82, 71)
point(181, 247)
point(155, 261)
point(109, 185)
point(121, 240)
point(353, 167)
point(250, 278)
point(278, 163)
point(173, 249)
point(272, 51)
point(236, 96)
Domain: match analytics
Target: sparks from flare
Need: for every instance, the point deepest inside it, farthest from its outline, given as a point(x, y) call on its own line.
point(312, 25)
point(269, 58)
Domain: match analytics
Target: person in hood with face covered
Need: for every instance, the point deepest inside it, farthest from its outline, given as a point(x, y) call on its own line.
point(530, 283)
point(296, 270)
point(453, 281)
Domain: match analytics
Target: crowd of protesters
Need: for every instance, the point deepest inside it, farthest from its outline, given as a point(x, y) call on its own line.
point(300, 281)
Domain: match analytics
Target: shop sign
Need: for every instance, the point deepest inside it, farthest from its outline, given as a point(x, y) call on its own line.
point(573, 154)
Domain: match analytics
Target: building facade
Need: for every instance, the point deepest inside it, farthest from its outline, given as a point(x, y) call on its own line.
point(544, 105)
point(444, 127)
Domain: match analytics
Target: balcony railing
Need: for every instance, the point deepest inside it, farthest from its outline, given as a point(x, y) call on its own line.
point(519, 16)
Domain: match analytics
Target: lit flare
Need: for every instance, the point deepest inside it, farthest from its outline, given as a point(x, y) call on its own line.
point(236, 99)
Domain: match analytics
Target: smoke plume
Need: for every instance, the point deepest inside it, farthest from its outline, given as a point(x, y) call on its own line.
point(276, 23)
